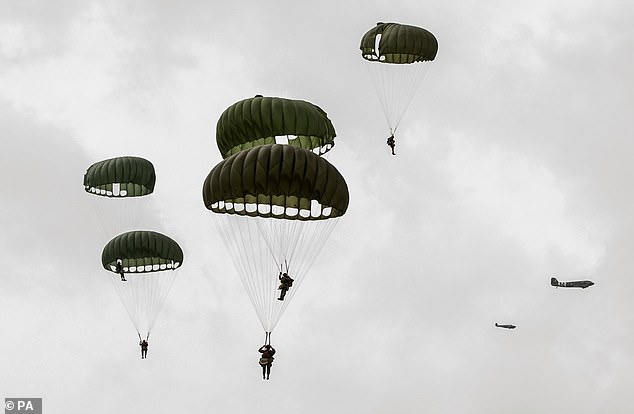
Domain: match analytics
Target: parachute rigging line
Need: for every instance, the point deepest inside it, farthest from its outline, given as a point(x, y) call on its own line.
point(272, 245)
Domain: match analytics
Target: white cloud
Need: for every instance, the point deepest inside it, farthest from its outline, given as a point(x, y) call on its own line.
point(519, 197)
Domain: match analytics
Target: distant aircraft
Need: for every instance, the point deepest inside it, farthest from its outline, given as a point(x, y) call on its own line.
point(574, 284)
point(507, 326)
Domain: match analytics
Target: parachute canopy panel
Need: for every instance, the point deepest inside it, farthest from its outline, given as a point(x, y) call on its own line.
point(277, 181)
point(120, 177)
point(398, 44)
point(258, 121)
point(142, 251)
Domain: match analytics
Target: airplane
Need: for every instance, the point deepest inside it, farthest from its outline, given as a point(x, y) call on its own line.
point(576, 283)
point(507, 326)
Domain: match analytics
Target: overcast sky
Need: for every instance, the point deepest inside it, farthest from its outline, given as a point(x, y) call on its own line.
point(514, 164)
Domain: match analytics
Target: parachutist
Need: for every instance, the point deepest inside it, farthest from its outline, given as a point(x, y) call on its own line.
point(257, 244)
point(119, 269)
point(397, 51)
point(391, 143)
point(144, 346)
point(146, 255)
point(285, 284)
point(266, 360)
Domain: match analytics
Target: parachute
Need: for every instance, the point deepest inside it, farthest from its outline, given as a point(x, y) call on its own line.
point(148, 259)
point(397, 58)
point(276, 205)
point(269, 120)
point(119, 187)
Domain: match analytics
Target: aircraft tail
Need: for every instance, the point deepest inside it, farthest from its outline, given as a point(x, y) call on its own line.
point(554, 281)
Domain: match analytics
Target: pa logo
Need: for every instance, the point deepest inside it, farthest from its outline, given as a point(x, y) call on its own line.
point(23, 405)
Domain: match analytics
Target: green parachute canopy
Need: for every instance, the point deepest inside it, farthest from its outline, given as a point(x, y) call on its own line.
point(397, 57)
point(147, 259)
point(276, 206)
point(398, 43)
point(258, 121)
point(277, 181)
point(142, 251)
point(120, 177)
